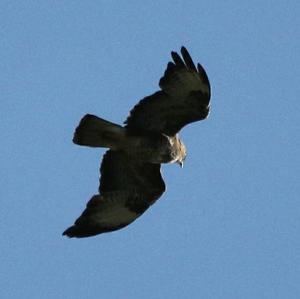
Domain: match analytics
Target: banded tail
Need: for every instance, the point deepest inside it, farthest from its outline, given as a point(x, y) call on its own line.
point(96, 132)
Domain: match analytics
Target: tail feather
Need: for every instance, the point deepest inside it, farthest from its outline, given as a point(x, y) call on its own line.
point(97, 132)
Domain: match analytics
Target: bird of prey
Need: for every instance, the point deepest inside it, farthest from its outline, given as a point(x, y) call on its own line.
point(131, 180)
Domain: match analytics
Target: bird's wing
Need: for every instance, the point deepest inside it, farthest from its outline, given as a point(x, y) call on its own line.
point(127, 189)
point(184, 98)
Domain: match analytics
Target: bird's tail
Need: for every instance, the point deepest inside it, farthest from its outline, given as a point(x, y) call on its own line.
point(97, 132)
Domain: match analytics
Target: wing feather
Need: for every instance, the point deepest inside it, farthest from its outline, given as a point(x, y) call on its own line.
point(188, 59)
point(127, 189)
point(184, 98)
point(177, 59)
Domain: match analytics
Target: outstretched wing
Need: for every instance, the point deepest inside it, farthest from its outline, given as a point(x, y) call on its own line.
point(127, 189)
point(184, 98)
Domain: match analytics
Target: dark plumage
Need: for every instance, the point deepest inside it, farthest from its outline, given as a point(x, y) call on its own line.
point(130, 179)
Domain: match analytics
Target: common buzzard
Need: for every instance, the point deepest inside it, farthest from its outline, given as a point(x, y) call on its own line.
point(130, 179)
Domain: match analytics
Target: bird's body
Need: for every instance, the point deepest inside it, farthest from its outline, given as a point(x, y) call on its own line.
point(152, 147)
point(130, 171)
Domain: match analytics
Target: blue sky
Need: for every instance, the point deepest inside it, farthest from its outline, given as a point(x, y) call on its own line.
point(228, 225)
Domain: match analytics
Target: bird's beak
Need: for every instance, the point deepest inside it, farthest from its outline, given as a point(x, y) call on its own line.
point(180, 163)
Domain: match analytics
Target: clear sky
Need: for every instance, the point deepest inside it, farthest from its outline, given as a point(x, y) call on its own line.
point(228, 225)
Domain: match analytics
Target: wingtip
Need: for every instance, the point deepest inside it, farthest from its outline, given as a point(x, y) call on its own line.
point(203, 75)
point(83, 231)
point(184, 51)
point(69, 232)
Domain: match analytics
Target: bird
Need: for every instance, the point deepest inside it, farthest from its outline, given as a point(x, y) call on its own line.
point(130, 172)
